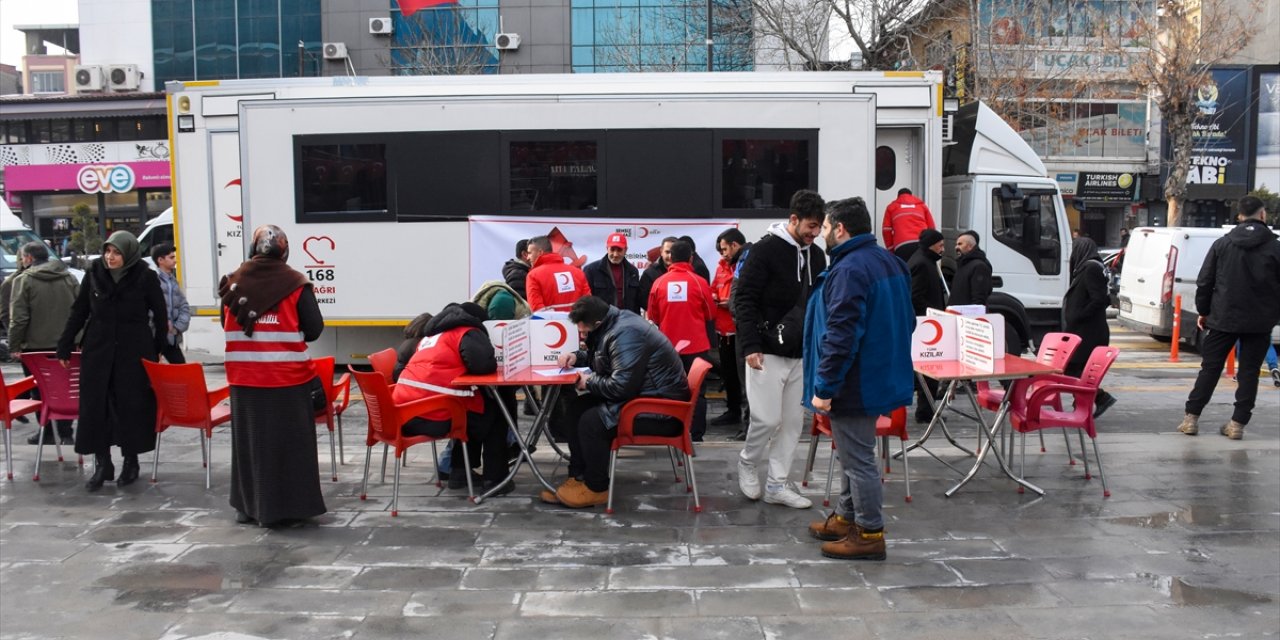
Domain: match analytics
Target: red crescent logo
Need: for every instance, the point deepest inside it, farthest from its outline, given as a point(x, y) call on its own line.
point(564, 335)
point(234, 183)
point(500, 325)
point(679, 287)
point(306, 247)
point(644, 232)
point(564, 278)
point(937, 332)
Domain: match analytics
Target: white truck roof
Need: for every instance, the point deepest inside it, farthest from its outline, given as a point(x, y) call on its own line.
point(985, 143)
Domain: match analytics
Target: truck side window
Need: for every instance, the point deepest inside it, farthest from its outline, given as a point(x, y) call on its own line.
point(340, 180)
point(886, 168)
point(1035, 237)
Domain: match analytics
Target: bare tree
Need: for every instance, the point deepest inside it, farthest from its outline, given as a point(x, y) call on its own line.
point(1186, 39)
point(446, 40)
point(797, 33)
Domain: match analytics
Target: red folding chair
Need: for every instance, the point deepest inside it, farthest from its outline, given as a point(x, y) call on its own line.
point(184, 400)
point(1055, 350)
point(683, 442)
point(386, 418)
point(1042, 409)
point(59, 394)
point(338, 397)
point(384, 362)
point(11, 407)
point(894, 424)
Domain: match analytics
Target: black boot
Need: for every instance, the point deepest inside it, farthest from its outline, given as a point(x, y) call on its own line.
point(105, 472)
point(128, 473)
point(48, 436)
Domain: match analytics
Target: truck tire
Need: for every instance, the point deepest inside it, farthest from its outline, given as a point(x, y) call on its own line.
point(1164, 339)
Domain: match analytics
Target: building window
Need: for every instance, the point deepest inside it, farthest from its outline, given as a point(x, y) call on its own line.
point(49, 81)
point(653, 35)
point(222, 39)
point(886, 168)
point(450, 39)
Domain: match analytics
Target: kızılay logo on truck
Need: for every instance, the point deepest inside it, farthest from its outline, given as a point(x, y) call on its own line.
point(111, 178)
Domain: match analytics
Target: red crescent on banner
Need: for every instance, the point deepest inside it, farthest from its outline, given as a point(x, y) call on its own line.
point(937, 328)
point(644, 232)
point(564, 335)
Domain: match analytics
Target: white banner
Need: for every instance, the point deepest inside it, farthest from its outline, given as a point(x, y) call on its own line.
point(493, 240)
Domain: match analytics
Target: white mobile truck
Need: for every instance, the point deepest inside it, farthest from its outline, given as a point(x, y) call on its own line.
point(402, 194)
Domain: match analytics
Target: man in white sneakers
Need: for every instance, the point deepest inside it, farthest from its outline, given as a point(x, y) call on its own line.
point(773, 288)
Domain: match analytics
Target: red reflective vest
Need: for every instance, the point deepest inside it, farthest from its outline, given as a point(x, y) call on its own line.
point(275, 355)
point(431, 371)
point(721, 287)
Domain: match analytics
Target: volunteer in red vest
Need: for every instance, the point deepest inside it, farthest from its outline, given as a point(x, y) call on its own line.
point(269, 315)
point(904, 219)
point(552, 282)
point(730, 245)
point(456, 343)
point(682, 307)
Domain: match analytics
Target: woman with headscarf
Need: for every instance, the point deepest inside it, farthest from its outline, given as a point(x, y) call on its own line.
point(121, 309)
point(1084, 311)
point(269, 313)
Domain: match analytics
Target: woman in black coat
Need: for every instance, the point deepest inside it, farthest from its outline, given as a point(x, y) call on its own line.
point(121, 309)
point(1084, 311)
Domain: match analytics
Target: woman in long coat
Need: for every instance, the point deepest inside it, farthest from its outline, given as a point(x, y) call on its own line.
point(1084, 311)
point(122, 305)
point(269, 314)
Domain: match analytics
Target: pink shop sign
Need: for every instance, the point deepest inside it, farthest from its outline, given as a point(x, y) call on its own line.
point(113, 177)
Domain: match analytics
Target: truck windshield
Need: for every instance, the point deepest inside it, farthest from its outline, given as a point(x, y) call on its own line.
point(10, 242)
point(1034, 236)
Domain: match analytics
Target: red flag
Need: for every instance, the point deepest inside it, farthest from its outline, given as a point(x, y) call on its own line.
point(410, 7)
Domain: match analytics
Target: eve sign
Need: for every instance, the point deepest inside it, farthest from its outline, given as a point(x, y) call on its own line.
point(112, 178)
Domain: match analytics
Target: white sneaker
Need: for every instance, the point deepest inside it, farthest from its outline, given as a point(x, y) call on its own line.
point(748, 479)
point(788, 496)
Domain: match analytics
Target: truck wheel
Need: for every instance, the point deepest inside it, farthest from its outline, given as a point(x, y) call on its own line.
point(1165, 339)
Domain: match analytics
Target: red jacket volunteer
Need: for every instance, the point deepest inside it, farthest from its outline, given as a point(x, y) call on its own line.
point(275, 355)
point(431, 371)
point(554, 283)
point(904, 219)
point(680, 304)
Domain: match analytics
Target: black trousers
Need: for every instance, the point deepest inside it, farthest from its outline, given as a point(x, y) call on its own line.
point(731, 374)
point(590, 441)
point(172, 354)
point(486, 439)
point(905, 249)
point(1214, 348)
point(699, 426)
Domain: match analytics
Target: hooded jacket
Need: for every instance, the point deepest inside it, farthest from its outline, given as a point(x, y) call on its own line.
point(857, 337)
point(776, 277)
point(630, 358)
point(474, 349)
point(40, 305)
point(926, 281)
point(514, 272)
point(972, 282)
point(1238, 289)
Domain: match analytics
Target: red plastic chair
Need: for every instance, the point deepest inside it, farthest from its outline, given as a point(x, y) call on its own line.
point(59, 392)
point(386, 418)
point(338, 396)
point(11, 408)
point(892, 425)
point(1039, 412)
point(1055, 350)
point(679, 409)
point(384, 362)
point(184, 400)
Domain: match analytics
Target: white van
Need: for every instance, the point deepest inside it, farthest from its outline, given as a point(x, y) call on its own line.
point(14, 234)
point(158, 231)
point(1159, 263)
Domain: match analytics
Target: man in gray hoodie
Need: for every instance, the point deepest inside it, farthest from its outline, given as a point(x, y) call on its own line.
point(39, 306)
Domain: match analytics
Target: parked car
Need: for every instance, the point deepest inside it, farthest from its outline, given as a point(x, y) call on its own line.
point(1112, 262)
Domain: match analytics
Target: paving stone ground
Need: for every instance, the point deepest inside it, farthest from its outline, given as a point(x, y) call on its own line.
point(1187, 546)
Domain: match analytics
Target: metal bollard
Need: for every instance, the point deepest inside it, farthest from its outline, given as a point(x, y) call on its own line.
point(1177, 328)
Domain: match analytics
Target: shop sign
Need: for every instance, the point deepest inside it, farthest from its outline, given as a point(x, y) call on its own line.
point(1106, 187)
point(111, 178)
point(1066, 183)
point(118, 177)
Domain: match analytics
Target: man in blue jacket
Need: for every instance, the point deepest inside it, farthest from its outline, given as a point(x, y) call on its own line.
point(857, 366)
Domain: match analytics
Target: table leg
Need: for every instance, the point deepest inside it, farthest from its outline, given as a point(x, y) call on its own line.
point(524, 449)
point(993, 436)
point(940, 407)
point(540, 422)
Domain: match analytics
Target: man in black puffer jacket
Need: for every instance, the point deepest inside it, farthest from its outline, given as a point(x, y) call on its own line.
point(516, 270)
point(972, 282)
point(1238, 298)
point(629, 358)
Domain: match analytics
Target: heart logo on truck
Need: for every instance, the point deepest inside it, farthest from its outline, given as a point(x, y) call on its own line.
point(314, 244)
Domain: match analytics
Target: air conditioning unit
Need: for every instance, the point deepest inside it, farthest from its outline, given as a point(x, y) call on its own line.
point(380, 26)
point(89, 78)
point(335, 51)
point(124, 77)
point(508, 41)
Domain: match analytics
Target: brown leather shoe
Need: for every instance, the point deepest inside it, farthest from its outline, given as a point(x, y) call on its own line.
point(550, 497)
point(833, 528)
point(578, 496)
point(858, 545)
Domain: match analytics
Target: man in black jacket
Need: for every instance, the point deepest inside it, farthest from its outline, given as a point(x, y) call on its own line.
point(699, 267)
point(769, 302)
point(927, 292)
point(1238, 298)
point(516, 270)
point(629, 358)
point(972, 282)
point(613, 278)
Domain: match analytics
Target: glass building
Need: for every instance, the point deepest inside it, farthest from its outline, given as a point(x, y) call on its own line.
point(223, 39)
point(660, 35)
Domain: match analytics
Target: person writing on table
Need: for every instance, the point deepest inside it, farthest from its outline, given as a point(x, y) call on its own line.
point(628, 358)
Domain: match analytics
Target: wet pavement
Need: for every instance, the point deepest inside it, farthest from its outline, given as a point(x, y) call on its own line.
point(1187, 546)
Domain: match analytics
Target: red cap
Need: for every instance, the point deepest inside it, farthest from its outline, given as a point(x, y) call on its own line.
point(616, 240)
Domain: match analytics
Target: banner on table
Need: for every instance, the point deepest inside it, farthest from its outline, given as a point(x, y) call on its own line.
point(582, 241)
point(533, 342)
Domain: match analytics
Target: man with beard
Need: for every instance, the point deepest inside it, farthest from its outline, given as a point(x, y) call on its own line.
point(613, 278)
point(972, 282)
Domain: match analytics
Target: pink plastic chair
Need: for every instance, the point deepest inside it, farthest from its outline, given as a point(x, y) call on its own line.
point(59, 391)
point(1056, 350)
point(892, 425)
point(1039, 412)
point(338, 396)
point(11, 408)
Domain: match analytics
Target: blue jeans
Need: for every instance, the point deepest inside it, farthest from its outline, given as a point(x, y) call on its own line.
point(861, 494)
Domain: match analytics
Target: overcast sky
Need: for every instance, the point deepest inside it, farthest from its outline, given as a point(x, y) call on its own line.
point(28, 12)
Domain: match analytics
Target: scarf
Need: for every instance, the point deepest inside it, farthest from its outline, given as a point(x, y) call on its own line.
point(127, 244)
point(257, 287)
